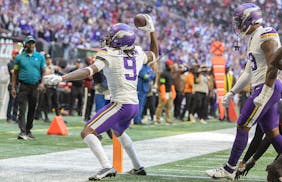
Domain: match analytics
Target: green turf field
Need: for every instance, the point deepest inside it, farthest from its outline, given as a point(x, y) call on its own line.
point(9, 145)
point(184, 170)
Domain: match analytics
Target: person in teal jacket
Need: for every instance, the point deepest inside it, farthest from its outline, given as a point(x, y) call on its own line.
point(29, 67)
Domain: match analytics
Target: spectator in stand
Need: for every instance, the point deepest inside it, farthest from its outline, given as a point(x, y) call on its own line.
point(29, 67)
point(12, 110)
point(70, 23)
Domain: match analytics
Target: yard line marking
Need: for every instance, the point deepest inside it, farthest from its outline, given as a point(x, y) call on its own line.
point(198, 177)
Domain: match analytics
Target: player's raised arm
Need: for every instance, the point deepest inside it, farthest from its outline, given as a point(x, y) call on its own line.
point(276, 59)
point(144, 22)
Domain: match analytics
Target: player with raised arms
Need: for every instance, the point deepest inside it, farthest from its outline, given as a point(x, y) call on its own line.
point(263, 42)
point(121, 60)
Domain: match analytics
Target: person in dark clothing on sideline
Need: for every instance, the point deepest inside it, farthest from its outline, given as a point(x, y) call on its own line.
point(88, 83)
point(13, 104)
point(76, 91)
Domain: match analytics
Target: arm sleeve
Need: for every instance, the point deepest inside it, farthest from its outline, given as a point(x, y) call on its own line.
point(99, 64)
point(269, 33)
point(43, 63)
point(17, 63)
point(163, 92)
point(244, 79)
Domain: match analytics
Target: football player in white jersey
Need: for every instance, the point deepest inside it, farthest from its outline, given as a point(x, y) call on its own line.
point(262, 43)
point(121, 61)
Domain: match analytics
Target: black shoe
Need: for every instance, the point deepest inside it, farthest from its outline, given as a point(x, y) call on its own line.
point(47, 120)
point(103, 173)
point(30, 136)
point(140, 171)
point(11, 121)
point(22, 136)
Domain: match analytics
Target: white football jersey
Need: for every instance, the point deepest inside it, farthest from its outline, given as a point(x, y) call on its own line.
point(256, 58)
point(121, 72)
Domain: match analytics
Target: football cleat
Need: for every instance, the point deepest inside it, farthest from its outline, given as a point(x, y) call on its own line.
point(103, 173)
point(220, 173)
point(244, 170)
point(140, 171)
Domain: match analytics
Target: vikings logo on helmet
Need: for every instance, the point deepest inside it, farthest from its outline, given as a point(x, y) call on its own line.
point(120, 36)
point(245, 16)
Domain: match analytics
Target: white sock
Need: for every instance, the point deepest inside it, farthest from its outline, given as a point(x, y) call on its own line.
point(97, 149)
point(127, 144)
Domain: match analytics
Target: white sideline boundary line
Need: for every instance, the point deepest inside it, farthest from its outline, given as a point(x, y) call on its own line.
point(81, 163)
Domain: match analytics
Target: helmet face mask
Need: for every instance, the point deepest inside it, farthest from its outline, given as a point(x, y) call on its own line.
point(120, 36)
point(245, 16)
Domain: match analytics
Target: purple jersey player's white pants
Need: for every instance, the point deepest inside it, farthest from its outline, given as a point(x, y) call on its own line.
point(113, 116)
point(267, 115)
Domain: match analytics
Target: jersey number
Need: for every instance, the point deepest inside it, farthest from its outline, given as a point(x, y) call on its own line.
point(253, 60)
point(130, 64)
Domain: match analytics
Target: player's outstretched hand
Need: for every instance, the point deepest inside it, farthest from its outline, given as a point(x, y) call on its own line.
point(52, 79)
point(226, 98)
point(264, 96)
point(149, 27)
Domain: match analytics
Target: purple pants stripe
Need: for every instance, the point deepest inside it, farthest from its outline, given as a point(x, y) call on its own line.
point(100, 113)
point(266, 116)
point(113, 116)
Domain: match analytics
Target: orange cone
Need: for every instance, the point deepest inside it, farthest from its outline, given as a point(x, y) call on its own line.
point(221, 109)
point(57, 127)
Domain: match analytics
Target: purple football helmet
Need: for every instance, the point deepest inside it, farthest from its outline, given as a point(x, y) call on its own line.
point(121, 36)
point(245, 16)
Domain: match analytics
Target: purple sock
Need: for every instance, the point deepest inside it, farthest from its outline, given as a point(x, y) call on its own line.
point(238, 147)
point(277, 143)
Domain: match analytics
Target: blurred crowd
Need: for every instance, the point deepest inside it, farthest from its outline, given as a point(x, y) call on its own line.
point(185, 29)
